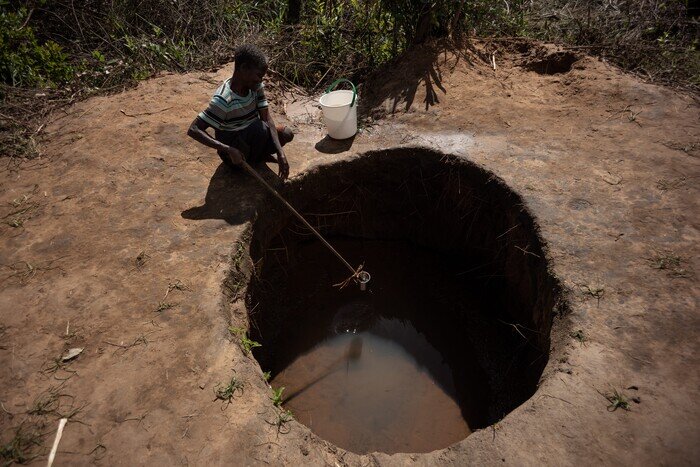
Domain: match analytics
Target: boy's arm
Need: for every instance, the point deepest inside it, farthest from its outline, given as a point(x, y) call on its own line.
point(198, 132)
point(266, 116)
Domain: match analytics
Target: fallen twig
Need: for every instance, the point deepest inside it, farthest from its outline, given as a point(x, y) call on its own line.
point(526, 251)
point(558, 398)
point(144, 113)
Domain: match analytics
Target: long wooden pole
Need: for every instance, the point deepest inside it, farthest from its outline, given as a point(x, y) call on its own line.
point(262, 181)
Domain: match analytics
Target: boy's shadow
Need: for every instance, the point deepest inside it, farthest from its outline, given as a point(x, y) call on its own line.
point(232, 195)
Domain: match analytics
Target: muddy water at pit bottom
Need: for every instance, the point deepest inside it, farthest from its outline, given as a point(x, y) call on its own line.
point(383, 399)
point(417, 385)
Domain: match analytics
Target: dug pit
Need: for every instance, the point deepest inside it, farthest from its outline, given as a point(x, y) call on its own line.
point(453, 332)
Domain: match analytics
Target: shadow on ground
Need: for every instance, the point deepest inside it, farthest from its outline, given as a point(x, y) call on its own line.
point(420, 66)
point(233, 196)
point(329, 145)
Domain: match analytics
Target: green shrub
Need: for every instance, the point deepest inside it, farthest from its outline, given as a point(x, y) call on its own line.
point(109, 44)
point(23, 60)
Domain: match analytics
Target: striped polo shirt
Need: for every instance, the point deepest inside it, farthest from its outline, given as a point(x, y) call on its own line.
point(227, 111)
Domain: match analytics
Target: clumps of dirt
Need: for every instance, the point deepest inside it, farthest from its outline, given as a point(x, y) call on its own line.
point(553, 63)
point(531, 55)
point(433, 201)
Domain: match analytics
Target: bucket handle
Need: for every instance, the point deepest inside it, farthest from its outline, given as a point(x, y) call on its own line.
point(338, 81)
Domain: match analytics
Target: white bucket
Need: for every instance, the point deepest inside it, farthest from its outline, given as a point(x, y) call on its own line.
point(340, 111)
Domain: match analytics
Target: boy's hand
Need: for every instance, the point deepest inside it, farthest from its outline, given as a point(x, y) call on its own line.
point(283, 164)
point(234, 155)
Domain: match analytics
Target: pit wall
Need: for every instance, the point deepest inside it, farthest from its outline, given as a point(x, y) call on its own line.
point(436, 201)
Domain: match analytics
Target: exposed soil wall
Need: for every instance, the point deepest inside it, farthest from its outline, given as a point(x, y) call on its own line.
point(434, 201)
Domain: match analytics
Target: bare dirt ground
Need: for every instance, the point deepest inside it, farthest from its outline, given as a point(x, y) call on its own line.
point(119, 238)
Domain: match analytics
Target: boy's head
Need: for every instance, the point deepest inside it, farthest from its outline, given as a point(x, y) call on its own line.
point(250, 65)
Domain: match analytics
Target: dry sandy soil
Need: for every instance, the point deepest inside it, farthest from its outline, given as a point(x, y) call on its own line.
point(123, 214)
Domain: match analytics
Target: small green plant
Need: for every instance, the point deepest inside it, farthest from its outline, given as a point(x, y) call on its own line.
point(226, 392)
point(665, 261)
point(140, 74)
point(150, 52)
point(580, 336)
point(17, 202)
point(54, 402)
point(45, 404)
point(632, 116)
point(237, 279)
point(286, 416)
point(595, 291)
point(669, 262)
point(58, 369)
point(237, 256)
point(617, 401)
point(21, 448)
point(16, 222)
point(280, 423)
point(266, 376)
point(177, 285)
point(97, 55)
point(163, 306)
point(276, 396)
point(247, 344)
point(22, 210)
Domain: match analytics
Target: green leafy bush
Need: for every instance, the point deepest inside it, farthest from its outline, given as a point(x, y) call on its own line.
point(23, 60)
point(108, 44)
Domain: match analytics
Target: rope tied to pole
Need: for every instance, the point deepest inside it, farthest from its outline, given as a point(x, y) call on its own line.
point(354, 277)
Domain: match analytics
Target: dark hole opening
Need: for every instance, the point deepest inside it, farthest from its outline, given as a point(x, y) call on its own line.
point(555, 63)
point(453, 332)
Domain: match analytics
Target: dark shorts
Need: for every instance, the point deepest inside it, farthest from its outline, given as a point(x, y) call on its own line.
point(254, 141)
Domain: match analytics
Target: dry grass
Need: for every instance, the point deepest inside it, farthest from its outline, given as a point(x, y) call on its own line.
point(24, 271)
point(671, 184)
point(23, 446)
point(670, 262)
point(281, 421)
point(24, 442)
point(596, 291)
point(657, 39)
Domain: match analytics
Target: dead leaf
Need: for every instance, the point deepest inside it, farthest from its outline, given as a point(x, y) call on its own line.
point(72, 353)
